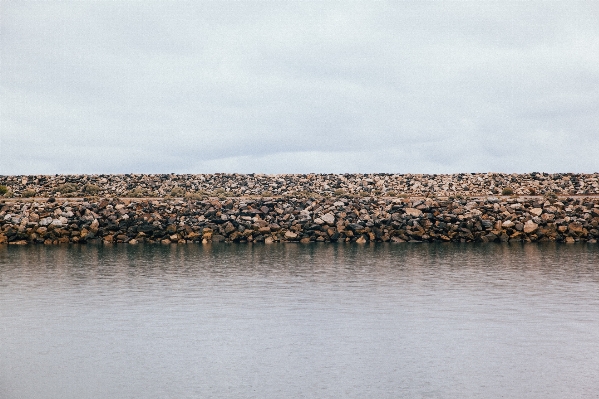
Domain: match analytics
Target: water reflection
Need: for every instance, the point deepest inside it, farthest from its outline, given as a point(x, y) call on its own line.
point(299, 320)
point(319, 263)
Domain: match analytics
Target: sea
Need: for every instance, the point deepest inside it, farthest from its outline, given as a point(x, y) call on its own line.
point(319, 320)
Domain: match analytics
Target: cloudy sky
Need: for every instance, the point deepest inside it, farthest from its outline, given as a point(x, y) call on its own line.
point(279, 87)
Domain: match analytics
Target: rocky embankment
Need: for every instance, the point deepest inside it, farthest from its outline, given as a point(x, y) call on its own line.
point(308, 185)
point(298, 219)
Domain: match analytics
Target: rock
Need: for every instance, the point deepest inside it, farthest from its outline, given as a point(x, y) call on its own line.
point(255, 219)
point(45, 221)
point(355, 227)
point(133, 241)
point(413, 212)
point(94, 225)
point(268, 240)
point(229, 228)
point(361, 240)
point(530, 227)
point(328, 218)
point(575, 227)
point(570, 240)
point(486, 224)
point(305, 240)
point(193, 235)
point(274, 227)
point(290, 235)
point(507, 224)
point(536, 211)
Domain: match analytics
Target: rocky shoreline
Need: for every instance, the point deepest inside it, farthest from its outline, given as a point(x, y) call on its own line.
point(283, 212)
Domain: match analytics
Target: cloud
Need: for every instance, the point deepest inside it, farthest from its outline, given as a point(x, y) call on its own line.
point(116, 87)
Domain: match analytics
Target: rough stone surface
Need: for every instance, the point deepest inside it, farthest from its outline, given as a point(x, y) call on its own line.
point(530, 227)
point(297, 219)
point(328, 218)
point(413, 212)
point(507, 224)
point(536, 211)
point(196, 186)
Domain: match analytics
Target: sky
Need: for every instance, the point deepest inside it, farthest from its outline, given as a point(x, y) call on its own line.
point(298, 87)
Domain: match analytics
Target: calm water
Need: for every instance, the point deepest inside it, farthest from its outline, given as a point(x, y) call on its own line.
point(315, 321)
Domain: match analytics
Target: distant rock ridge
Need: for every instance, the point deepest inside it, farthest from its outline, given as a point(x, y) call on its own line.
point(198, 186)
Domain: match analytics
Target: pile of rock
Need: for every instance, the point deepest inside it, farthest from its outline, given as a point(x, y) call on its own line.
point(299, 185)
point(322, 219)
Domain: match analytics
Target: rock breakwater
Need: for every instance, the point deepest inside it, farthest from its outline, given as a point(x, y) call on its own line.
point(298, 219)
point(299, 185)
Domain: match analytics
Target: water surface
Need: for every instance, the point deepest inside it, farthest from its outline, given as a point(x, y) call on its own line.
point(288, 320)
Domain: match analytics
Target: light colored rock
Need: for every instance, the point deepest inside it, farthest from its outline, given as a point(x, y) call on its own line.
point(536, 211)
point(361, 240)
point(413, 212)
point(268, 240)
point(328, 218)
point(133, 241)
point(45, 221)
point(318, 221)
point(507, 224)
point(530, 227)
point(290, 234)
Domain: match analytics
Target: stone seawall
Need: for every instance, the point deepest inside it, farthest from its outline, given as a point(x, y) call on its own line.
point(298, 219)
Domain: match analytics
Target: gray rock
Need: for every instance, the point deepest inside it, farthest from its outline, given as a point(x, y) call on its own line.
point(328, 218)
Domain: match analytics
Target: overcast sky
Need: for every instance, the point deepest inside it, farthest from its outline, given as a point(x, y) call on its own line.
point(279, 87)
